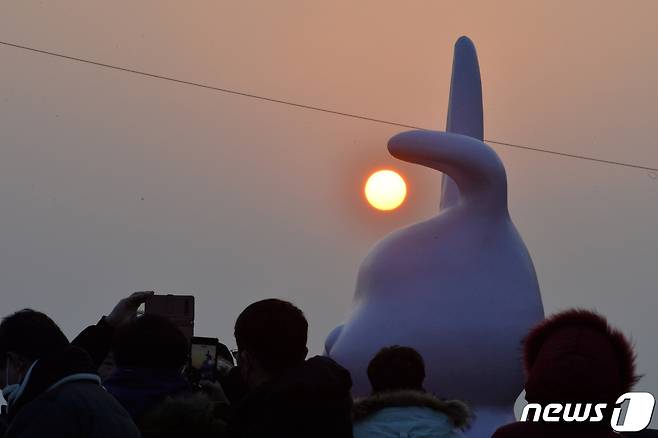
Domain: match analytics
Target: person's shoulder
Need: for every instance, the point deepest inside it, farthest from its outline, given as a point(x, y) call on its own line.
point(324, 362)
point(93, 408)
point(84, 400)
point(38, 416)
point(318, 375)
point(328, 366)
point(74, 391)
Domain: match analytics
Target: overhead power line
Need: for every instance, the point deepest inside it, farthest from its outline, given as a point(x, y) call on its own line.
point(311, 107)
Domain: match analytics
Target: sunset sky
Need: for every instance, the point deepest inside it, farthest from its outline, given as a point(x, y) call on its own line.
point(112, 182)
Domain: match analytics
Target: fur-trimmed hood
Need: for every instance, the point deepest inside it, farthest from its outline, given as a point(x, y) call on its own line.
point(577, 356)
point(456, 411)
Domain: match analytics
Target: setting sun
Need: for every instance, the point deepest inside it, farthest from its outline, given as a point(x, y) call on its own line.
point(385, 190)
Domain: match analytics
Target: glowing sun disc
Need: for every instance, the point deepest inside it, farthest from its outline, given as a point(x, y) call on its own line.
point(385, 190)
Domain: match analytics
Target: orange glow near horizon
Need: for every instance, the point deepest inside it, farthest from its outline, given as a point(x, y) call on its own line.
point(385, 190)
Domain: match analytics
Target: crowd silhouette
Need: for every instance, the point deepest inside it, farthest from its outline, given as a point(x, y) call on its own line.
point(126, 376)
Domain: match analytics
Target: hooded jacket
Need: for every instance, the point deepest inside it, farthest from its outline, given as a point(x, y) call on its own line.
point(410, 414)
point(312, 400)
point(140, 389)
point(62, 397)
point(574, 357)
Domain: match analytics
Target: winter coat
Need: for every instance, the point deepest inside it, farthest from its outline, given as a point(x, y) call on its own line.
point(62, 397)
point(140, 389)
point(574, 357)
point(410, 414)
point(312, 400)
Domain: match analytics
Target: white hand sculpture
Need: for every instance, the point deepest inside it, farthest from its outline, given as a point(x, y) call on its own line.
point(460, 287)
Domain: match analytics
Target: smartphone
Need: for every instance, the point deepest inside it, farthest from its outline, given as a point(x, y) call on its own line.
point(203, 359)
point(179, 309)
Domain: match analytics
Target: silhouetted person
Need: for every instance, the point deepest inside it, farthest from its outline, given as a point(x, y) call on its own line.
point(574, 357)
point(51, 386)
point(288, 395)
point(399, 406)
point(150, 353)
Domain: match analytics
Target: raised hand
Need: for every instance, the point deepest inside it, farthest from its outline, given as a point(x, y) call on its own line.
point(126, 309)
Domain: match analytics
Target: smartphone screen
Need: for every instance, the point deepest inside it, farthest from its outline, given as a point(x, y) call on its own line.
point(203, 358)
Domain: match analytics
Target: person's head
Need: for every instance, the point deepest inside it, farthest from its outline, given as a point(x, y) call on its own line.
point(577, 356)
point(396, 368)
point(26, 336)
point(151, 341)
point(271, 337)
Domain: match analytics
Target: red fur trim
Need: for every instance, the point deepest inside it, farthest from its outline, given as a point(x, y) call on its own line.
point(625, 352)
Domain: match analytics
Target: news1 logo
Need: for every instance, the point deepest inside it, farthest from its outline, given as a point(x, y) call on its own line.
point(635, 417)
